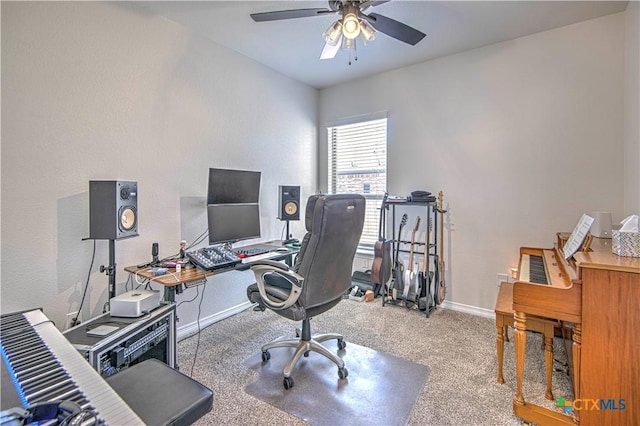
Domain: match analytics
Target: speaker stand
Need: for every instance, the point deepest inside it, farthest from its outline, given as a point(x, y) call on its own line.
point(288, 234)
point(110, 269)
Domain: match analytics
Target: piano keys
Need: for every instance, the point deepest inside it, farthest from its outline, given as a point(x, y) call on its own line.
point(558, 298)
point(44, 366)
point(532, 269)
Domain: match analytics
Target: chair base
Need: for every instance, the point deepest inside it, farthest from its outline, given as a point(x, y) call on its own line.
point(303, 345)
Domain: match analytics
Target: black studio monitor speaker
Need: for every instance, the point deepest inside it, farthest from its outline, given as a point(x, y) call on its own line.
point(288, 202)
point(113, 209)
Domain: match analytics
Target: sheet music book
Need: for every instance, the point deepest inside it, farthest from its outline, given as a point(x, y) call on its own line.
point(577, 236)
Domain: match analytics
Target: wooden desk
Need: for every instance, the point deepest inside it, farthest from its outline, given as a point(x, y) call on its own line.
point(190, 276)
point(187, 276)
point(504, 319)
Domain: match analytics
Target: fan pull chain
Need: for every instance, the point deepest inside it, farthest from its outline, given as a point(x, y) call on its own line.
point(355, 52)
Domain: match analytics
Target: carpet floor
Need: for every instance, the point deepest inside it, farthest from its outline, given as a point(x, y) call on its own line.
point(458, 349)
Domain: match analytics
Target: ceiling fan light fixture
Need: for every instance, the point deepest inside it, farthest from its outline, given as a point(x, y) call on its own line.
point(348, 43)
point(367, 32)
point(333, 33)
point(350, 25)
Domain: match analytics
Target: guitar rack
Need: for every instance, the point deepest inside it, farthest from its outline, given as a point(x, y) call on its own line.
point(427, 250)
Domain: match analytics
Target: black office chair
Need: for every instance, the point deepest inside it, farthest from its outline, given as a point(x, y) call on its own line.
point(320, 277)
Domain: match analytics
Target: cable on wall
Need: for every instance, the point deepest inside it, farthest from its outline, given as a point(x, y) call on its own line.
point(74, 322)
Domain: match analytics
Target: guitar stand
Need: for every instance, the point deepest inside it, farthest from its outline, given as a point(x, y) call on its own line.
point(425, 300)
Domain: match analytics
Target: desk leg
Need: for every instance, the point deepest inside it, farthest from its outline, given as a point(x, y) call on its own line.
point(170, 294)
point(289, 261)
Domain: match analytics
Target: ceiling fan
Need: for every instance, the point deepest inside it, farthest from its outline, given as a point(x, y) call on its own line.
point(353, 22)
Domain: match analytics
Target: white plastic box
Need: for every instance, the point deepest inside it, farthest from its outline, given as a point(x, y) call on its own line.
point(134, 303)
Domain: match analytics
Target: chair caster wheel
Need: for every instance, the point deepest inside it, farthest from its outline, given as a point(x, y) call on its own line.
point(341, 344)
point(287, 382)
point(306, 354)
point(343, 373)
point(266, 356)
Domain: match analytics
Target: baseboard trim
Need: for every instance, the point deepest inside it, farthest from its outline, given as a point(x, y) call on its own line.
point(192, 328)
point(468, 309)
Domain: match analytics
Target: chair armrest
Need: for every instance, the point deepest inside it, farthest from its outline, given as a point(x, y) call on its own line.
point(268, 262)
point(262, 268)
point(245, 266)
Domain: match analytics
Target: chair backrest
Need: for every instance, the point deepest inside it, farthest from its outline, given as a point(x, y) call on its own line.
point(334, 225)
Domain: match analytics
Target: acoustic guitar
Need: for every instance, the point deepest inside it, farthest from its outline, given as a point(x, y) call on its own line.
point(398, 268)
point(441, 291)
point(381, 266)
point(410, 279)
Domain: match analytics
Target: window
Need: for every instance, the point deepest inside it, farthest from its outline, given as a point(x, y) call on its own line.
point(358, 164)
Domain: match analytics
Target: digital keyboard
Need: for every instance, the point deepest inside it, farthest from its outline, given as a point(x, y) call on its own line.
point(44, 367)
point(214, 257)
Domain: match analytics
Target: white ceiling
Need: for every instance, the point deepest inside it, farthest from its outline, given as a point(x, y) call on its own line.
point(292, 47)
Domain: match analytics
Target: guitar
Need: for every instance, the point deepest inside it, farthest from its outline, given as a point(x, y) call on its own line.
point(423, 279)
point(410, 279)
point(381, 266)
point(441, 291)
point(398, 268)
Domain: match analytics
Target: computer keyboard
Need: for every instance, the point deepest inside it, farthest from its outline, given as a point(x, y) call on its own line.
point(243, 252)
point(214, 257)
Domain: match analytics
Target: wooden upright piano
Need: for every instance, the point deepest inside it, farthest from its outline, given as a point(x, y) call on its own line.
point(598, 293)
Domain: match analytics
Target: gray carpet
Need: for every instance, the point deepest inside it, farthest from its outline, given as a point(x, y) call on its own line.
point(459, 349)
point(380, 389)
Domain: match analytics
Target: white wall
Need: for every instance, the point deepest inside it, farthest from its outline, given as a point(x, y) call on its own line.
point(522, 137)
point(632, 109)
point(103, 91)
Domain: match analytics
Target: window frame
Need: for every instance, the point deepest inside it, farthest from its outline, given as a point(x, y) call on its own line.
point(373, 200)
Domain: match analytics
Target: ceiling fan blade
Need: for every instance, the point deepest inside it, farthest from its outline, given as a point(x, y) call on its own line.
point(395, 29)
point(372, 3)
point(330, 51)
point(288, 14)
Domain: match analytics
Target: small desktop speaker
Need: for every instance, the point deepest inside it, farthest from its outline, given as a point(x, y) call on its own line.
point(113, 209)
point(288, 202)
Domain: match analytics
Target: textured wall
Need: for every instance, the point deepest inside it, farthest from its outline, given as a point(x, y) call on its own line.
point(632, 109)
point(522, 136)
point(103, 91)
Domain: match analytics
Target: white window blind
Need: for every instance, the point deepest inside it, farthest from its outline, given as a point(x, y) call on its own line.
point(358, 164)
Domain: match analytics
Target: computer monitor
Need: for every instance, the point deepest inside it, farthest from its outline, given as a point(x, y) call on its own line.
point(228, 186)
point(233, 222)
